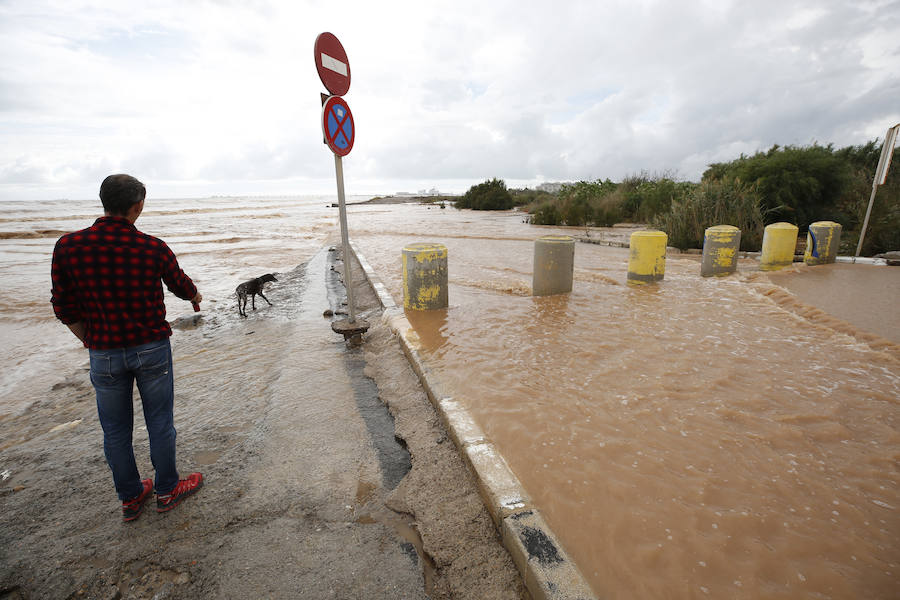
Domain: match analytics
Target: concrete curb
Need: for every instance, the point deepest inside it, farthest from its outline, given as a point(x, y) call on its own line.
point(599, 242)
point(548, 572)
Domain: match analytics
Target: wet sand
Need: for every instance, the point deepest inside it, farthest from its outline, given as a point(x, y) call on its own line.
point(301, 499)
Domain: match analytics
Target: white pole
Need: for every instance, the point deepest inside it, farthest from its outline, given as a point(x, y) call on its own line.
point(862, 233)
point(884, 163)
point(348, 281)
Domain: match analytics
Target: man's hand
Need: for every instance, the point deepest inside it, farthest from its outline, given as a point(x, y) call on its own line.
point(195, 301)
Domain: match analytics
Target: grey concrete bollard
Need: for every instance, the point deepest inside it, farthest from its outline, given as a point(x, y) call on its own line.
point(554, 264)
point(822, 243)
point(720, 250)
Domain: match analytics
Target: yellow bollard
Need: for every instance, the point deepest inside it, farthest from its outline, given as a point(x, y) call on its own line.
point(779, 243)
point(720, 250)
point(425, 276)
point(822, 242)
point(647, 261)
point(554, 263)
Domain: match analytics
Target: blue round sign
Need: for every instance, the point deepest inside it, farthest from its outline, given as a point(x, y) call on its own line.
point(337, 125)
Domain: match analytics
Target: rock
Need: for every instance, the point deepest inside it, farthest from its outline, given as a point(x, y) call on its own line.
point(166, 591)
point(328, 313)
point(189, 322)
point(64, 426)
point(110, 593)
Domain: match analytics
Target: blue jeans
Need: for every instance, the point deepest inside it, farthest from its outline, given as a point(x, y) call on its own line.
point(113, 373)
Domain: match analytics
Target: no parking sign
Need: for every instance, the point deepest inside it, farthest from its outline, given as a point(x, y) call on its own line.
point(337, 125)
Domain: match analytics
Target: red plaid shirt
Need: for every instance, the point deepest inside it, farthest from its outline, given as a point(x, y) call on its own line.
point(108, 277)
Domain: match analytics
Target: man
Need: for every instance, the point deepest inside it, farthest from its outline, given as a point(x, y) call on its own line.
point(107, 288)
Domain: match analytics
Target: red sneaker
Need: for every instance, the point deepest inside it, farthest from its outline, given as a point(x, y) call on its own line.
point(131, 509)
point(183, 489)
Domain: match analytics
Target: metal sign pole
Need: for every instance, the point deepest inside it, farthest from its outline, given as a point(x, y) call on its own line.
point(884, 163)
point(348, 281)
point(862, 233)
point(339, 132)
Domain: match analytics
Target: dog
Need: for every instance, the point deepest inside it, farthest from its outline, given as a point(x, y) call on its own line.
point(252, 288)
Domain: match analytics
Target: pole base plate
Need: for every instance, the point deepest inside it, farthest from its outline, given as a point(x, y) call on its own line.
point(348, 329)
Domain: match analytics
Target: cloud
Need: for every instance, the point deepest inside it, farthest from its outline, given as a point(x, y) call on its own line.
point(211, 92)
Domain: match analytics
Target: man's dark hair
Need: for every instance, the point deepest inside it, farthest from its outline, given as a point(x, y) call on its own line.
point(118, 193)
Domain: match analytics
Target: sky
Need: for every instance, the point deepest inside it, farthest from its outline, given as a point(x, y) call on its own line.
point(199, 98)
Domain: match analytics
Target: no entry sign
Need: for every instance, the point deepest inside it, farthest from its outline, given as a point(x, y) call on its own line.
point(332, 64)
point(337, 125)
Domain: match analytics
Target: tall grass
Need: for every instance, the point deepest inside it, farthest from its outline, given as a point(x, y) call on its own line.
point(718, 202)
point(604, 203)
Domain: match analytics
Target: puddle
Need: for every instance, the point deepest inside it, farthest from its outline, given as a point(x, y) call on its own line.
point(364, 492)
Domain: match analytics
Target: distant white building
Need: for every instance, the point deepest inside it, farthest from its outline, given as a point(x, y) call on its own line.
point(551, 187)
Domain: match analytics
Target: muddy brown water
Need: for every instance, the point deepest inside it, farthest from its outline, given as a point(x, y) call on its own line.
point(697, 438)
point(734, 437)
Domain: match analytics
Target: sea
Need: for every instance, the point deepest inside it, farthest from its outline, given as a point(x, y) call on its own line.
point(219, 242)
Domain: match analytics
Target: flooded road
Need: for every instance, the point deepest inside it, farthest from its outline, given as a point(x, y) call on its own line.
point(697, 438)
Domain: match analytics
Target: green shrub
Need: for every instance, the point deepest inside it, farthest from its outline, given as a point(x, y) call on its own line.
point(490, 195)
point(883, 232)
point(604, 203)
point(608, 210)
point(643, 197)
point(528, 196)
point(546, 214)
point(717, 202)
point(814, 183)
point(797, 184)
point(586, 202)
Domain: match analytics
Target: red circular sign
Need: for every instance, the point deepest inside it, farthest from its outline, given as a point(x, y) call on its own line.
point(332, 64)
point(337, 125)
